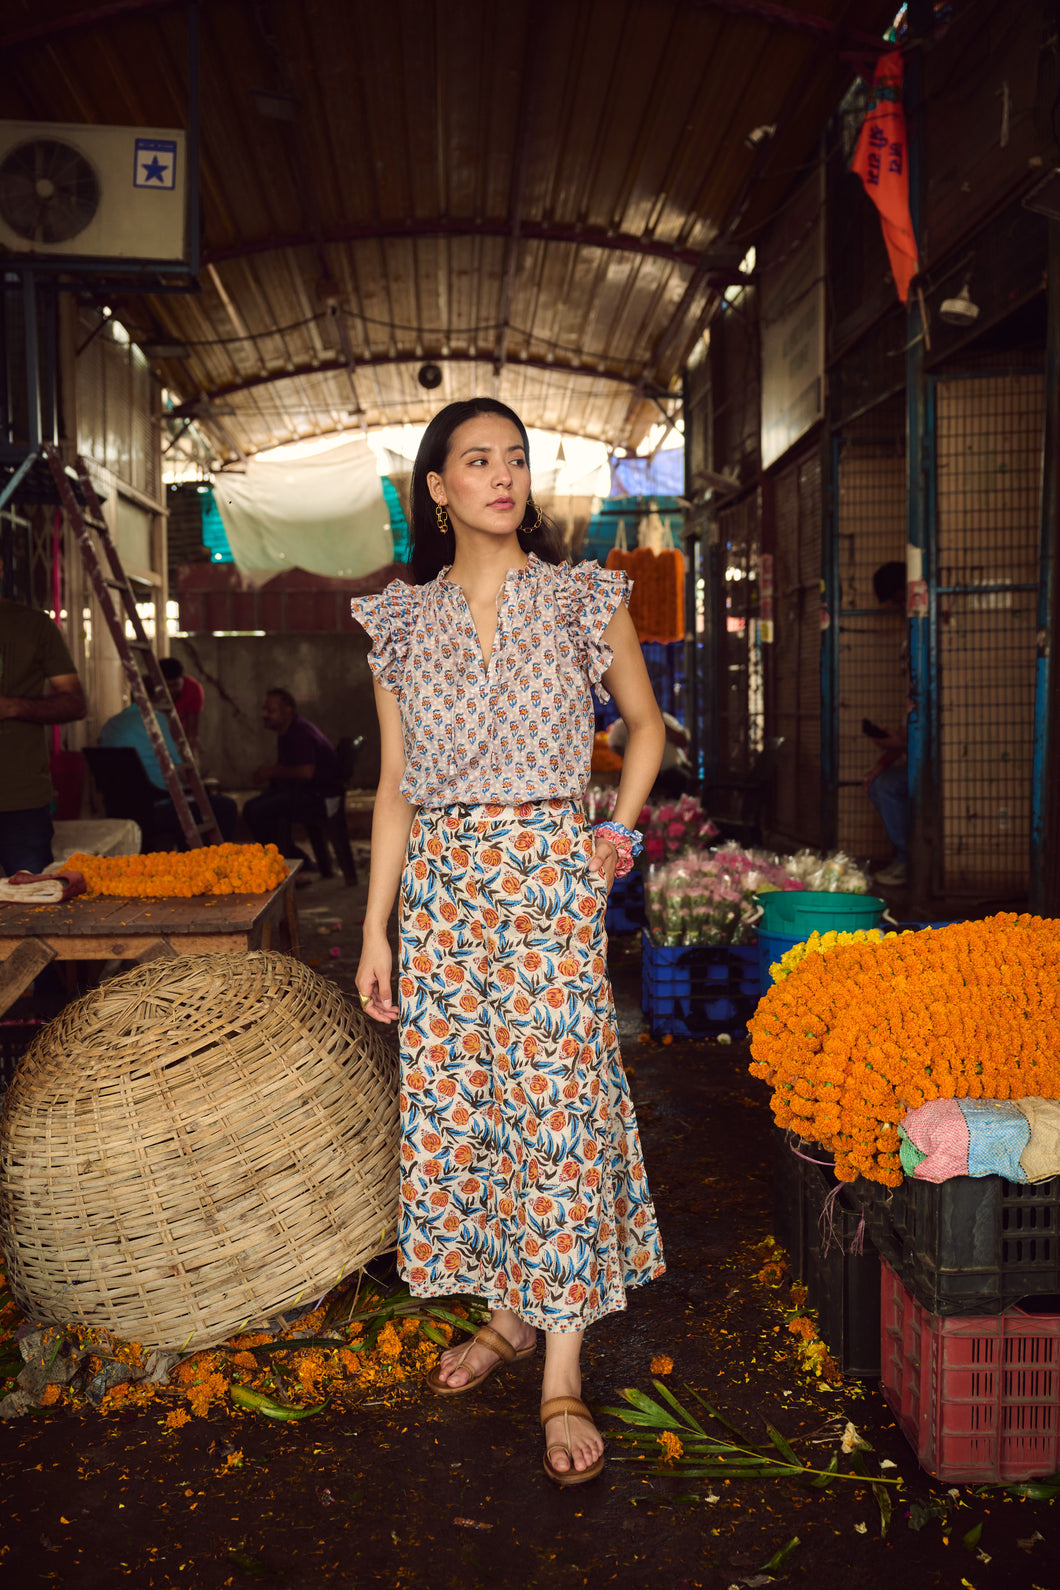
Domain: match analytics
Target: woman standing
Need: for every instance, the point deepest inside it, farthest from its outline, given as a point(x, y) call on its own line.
point(522, 1178)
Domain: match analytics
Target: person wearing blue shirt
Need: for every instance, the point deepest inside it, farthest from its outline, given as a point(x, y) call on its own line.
point(127, 728)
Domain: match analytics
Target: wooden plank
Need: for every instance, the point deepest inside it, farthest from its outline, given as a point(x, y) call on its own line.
point(28, 958)
point(127, 946)
point(156, 950)
point(291, 919)
point(104, 928)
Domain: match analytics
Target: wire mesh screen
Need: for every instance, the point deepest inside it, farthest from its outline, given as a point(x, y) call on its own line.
point(741, 702)
point(989, 431)
point(871, 682)
point(797, 812)
point(701, 717)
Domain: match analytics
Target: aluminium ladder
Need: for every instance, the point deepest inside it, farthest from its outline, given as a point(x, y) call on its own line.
point(137, 655)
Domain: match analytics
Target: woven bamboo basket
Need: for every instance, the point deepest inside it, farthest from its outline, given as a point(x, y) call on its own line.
point(195, 1147)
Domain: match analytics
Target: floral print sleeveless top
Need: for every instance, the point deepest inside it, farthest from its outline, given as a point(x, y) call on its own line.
point(519, 729)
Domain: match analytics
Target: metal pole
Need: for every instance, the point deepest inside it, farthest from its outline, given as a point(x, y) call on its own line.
point(17, 478)
point(1045, 799)
point(920, 441)
point(191, 144)
point(29, 316)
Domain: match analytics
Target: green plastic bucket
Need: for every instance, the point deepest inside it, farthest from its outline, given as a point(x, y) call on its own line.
point(791, 915)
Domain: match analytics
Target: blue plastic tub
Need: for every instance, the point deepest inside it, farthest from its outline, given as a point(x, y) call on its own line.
point(789, 916)
point(771, 946)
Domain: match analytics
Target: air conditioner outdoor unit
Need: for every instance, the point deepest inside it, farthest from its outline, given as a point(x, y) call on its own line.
point(88, 192)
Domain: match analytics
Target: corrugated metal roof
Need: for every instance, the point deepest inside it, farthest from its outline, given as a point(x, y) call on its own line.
point(544, 197)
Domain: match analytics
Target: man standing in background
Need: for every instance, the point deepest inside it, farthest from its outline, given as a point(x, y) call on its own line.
point(38, 686)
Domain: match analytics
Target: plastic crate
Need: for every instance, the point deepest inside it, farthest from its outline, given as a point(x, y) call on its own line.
point(830, 1252)
point(977, 1399)
point(625, 905)
point(970, 1245)
point(698, 990)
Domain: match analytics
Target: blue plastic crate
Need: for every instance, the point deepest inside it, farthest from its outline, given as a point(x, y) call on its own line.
point(699, 990)
point(625, 905)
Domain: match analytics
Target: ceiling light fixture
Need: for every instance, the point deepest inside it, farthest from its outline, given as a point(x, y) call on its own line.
point(760, 135)
point(959, 311)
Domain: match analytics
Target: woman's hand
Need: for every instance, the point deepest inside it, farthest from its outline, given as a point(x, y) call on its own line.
point(604, 859)
point(373, 982)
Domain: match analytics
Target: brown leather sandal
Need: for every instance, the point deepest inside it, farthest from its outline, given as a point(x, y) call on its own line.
point(552, 1410)
point(486, 1336)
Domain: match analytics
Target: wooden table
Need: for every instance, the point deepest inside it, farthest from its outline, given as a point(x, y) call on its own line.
point(110, 929)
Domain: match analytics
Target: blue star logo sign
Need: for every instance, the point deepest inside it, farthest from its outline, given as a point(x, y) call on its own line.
point(155, 163)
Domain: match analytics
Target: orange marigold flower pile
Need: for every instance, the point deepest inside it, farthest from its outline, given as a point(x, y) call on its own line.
point(852, 1040)
point(182, 874)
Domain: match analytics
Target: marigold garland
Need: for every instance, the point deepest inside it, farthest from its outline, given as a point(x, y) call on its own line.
point(852, 1040)
point(183, 874)
point(819, 944)
point(657, 601)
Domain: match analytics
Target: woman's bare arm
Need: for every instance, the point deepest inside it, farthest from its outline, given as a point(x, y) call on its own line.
point(391, 825)
point(627, 681)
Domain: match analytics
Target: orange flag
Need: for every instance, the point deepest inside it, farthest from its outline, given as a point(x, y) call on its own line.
point(881, 160)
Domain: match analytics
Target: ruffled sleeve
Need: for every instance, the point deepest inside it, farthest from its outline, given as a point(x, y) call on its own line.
point(588, 598)
point(388, 619)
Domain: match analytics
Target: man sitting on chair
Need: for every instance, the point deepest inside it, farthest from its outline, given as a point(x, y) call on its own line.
point(301, 782)
point(128, 728)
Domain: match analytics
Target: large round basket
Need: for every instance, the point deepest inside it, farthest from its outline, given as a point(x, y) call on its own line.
point(195, 1147)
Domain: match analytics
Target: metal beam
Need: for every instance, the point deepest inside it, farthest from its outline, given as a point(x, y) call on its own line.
point(198, 408)
point(720, 262)
point(52, 27)
point(798, 21)
point(760, 10)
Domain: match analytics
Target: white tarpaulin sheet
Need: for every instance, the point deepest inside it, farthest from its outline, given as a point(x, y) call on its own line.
point(324, 513)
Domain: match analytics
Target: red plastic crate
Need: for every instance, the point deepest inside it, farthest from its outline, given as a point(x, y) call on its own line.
point(977, 1399)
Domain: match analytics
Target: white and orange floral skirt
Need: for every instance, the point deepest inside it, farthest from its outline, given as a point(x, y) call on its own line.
point(522, 1176)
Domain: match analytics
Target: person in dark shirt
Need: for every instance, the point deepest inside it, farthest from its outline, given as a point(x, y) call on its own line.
point(302, 782)
point(38, 686)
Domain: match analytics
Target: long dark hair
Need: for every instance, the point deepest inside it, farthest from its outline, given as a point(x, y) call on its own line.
point(431, 550)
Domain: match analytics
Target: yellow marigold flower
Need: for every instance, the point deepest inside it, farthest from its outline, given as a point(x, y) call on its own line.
point(661, 1365)
point(178, 1417)
point(801, 1326)
point(389, 1342)
point(50, 1396)
point(672, 1449)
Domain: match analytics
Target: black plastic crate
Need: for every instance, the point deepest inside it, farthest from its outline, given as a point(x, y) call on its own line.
point(699, 990)
point(970, 1245)
point(831, 1253)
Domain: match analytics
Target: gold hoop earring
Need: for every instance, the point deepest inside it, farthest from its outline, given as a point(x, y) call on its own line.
point(443, 518)
point(529, 529)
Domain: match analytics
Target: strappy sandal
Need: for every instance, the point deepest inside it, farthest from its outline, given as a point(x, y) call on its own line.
point(485, 1336)
point(552, 1410)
